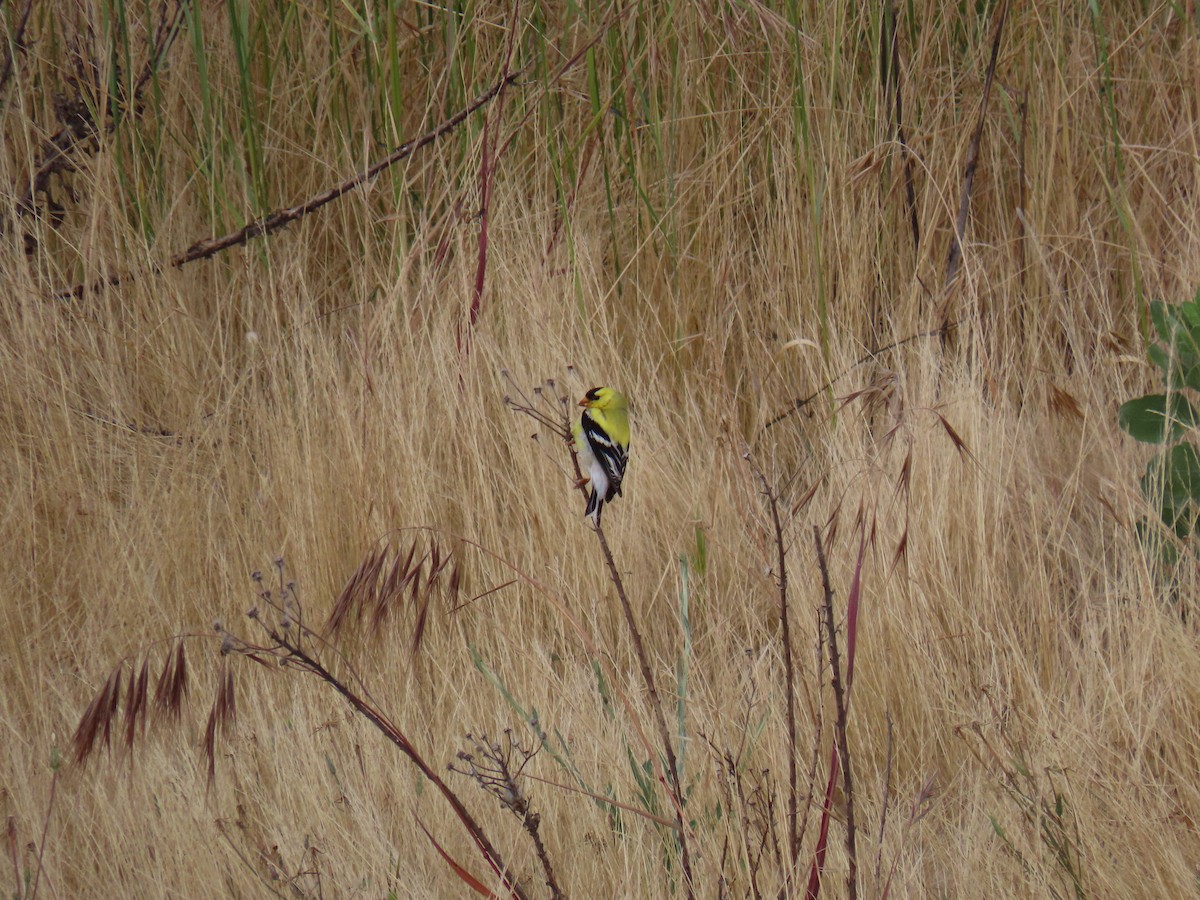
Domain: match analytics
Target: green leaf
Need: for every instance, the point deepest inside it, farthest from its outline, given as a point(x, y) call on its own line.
point(1165, 553)
point(1189, 376)
point(1177, 350)
point(1159, 316)
point(700, 558)
point(1187, 347)
point(1160, 358)
point(1172, 483)
point(1157, 418)
point(1190, 314)
point(1182, 472)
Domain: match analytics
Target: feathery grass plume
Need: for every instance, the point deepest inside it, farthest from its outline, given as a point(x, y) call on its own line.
point(96, 723)
point(376, 590)
point(98, 720)
point(136, 705)
point(171, 688)
point(222, 716)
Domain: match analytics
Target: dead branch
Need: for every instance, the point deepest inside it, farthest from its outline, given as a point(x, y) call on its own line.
point(268, 224)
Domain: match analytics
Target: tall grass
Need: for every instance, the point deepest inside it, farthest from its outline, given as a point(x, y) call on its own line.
point(707, 205)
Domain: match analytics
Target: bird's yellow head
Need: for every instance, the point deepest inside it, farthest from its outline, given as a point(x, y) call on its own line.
point(604, 399)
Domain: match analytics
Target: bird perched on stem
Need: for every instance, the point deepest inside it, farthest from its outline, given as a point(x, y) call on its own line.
point(602, 442)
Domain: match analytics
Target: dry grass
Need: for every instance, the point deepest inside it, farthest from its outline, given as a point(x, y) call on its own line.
point(669, 212)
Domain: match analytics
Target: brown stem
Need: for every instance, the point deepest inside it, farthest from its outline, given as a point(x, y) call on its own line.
point(789, 674)
point(17, 43)
point(660, 718)
point(405, 746)
point(839, 696)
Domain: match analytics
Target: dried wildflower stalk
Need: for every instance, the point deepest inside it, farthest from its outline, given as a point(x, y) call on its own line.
point(491, 766)
point(288, 641)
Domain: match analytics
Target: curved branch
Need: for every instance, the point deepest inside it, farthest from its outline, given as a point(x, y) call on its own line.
point(268, 224)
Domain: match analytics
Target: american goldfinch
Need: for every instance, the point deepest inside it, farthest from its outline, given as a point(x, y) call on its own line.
point(602, 442)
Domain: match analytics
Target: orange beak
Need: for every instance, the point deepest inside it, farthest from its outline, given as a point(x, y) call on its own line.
point(584, 402)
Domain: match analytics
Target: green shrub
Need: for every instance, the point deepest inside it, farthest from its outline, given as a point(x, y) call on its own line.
point(1172, 480)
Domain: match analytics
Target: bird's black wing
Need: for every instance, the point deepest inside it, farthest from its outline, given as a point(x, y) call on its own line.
point(612, 456)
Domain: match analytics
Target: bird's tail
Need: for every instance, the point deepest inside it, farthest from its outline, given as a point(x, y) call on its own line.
point(595, 502)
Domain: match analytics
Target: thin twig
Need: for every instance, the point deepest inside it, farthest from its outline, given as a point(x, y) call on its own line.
point(11, 842)
point(954, 258)
point(297, 656)
point(491, 767)
point(799, 404)
point(1022, 201)
point(15, 45)
point(67, 139)
point(45, 830)
point(887, 787)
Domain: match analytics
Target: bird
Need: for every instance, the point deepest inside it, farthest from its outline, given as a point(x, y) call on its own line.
point(602, 442)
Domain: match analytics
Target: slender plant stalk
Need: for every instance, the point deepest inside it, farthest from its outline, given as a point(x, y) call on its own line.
point(45, 830)
point(557, 420)
point(660, 718)
point(789, 675)
point(839, 696)
point(887, 789)
point(889, 74)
